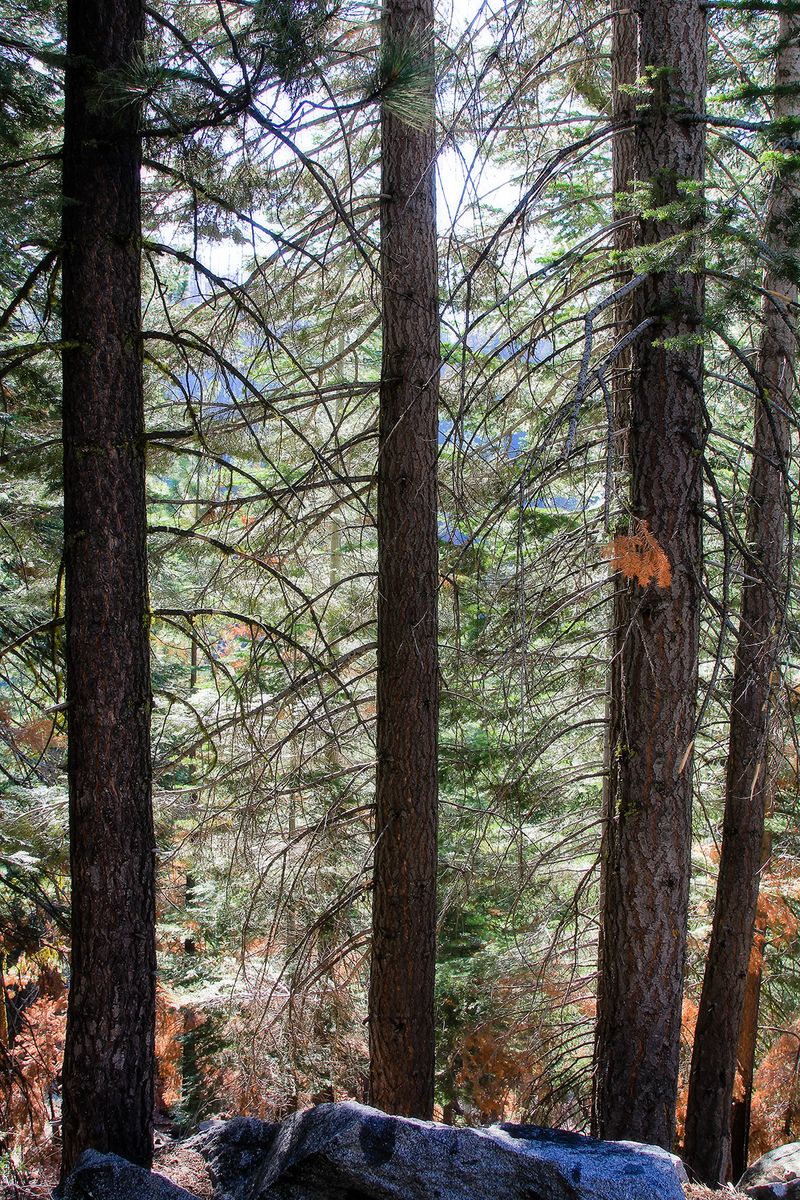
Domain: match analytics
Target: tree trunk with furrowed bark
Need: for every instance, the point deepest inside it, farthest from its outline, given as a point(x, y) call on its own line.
point(401, 1022)
point(747, 785)
point(108, 1065)
point(648, 835)
point(624, 65)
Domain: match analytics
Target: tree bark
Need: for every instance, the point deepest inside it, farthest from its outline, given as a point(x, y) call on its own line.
point(624, 64)
point(748, 1039)
point(648, 839)
point(401, 1021)
point(713, 1071)
point(108, 1063)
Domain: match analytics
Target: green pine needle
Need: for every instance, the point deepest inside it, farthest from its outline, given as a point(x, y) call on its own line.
point(405, 82)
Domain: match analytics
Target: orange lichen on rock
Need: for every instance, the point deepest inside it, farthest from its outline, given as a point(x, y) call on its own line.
point(639, 556)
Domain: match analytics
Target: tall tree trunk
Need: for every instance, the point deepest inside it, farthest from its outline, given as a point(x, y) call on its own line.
point(624, 65)
point(3, 1010)
point(108, 1064)
point(708, 1117)
point(401, 1022)
point(653, 709)
point(748, 1039)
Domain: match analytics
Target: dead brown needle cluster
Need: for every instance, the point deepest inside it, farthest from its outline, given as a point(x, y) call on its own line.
point(639, 556)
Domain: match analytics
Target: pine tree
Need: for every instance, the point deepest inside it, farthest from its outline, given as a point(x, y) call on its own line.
point(648, 835)
point(108, 1065)
point(747, 785)
point(401, 1020)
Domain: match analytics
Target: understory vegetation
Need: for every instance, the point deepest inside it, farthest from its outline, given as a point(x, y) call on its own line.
point(262, 360)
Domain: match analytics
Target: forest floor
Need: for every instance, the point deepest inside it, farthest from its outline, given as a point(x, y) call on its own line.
point(185, 1167)
point(696, 1191)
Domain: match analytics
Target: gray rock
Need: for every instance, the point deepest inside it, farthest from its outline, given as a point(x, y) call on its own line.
point(351, 1152)
point(108, 1177)
point(607, 1170)
point(774, 1176)
point(234, 1151)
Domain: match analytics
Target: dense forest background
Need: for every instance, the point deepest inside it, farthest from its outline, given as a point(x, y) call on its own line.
point(262, 335)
